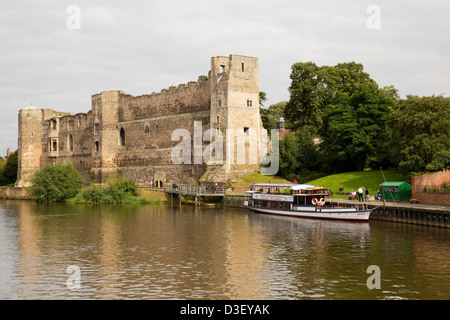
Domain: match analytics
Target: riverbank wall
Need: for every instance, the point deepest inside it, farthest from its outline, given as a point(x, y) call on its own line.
point(420, 214)
point(14, 193)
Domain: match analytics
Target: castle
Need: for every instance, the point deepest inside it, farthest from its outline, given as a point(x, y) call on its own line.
point(133, 135)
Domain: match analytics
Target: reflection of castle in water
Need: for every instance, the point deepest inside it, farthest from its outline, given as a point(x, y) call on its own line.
point(166, 252)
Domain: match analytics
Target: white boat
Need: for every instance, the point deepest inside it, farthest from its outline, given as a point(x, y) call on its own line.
point(301, 200)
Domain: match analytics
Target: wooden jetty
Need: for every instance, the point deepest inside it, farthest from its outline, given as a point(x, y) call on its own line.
point(197, 193)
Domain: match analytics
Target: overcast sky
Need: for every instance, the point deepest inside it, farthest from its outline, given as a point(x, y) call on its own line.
point(52, 57)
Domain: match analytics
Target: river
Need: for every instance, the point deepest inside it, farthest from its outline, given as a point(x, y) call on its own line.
point(61, 251)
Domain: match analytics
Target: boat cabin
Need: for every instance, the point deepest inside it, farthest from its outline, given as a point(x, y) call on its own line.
point(283, 195)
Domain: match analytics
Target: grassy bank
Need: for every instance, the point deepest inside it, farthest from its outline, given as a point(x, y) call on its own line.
point(369, 179)
point(352, 180)
point(245, 181)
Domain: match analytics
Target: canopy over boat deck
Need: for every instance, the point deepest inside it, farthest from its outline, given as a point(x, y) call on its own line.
point(293, 189)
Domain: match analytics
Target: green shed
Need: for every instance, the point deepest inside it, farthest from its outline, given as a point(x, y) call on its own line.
point(396, 191)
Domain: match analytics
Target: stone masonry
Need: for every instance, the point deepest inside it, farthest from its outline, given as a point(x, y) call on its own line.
point(132, 135)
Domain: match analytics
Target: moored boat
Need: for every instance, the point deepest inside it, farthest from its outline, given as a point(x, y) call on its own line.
point(301, 200)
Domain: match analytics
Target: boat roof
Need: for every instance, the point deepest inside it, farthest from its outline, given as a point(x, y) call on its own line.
point(292, 186)
point(273, 185)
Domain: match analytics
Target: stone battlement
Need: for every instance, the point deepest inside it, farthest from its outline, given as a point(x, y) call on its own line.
point(132, 135)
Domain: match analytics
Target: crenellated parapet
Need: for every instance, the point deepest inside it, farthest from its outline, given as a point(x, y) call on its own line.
point(132, 135)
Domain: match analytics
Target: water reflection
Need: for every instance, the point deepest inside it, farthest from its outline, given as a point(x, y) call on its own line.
point(164, 252)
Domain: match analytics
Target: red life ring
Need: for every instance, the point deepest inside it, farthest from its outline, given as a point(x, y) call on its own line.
point(314, 201)
point(322, 201)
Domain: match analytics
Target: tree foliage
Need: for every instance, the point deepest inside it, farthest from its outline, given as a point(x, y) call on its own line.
point(8, 171)
point(419, 134)
point(55, 183)
point(271, 116)
point(354, 126)
point(117, 190)
point(344, 106)
point(314, 88)
point(300, 157)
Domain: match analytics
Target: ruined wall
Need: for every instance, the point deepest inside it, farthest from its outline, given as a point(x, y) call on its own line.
point(131, 135)
point(147, 123)
point(185, 98)
point(33, 139)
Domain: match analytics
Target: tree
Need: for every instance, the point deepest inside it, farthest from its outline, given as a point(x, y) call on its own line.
point(315, 88)
point(289, 165)
point(55, 183)
point(262, 98)
point(271, 117)
point(300, 157)
point(419, 134)
point(353, 126)
point(2, 166)
point(10, 169)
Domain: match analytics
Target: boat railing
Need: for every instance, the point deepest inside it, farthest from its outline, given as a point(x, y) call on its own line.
point(357, 206)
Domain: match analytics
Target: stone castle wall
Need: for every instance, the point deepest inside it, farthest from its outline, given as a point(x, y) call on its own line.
point(131, 135)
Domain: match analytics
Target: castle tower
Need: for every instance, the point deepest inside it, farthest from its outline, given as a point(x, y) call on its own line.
point(108, 137)
point(235, 113)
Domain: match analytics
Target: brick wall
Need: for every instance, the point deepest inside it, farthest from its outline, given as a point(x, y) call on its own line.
point(431, 182)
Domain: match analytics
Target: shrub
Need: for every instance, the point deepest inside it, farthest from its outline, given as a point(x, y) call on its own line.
point(118, 190)
point(55, 183)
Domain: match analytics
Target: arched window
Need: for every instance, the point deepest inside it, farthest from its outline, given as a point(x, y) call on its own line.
point(55, 146)
point(122, 137)
point(70, 143)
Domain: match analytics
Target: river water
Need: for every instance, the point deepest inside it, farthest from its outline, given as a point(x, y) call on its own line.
point(61, 251)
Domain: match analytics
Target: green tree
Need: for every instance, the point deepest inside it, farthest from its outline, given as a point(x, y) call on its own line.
point(10, 169)
point(300, 157)
point(55, 183)
point(315, 88)
point(271, 116)
point(262, 98)
point(419, 134)
point(289, 165)
point(2, 166)
point(354, 125)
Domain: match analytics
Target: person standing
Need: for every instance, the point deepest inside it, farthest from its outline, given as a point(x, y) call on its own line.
point(360, 194)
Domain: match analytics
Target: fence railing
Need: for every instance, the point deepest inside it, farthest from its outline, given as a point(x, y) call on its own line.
point(196, 190)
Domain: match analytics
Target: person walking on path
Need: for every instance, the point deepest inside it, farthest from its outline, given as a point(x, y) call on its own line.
point(360, 194)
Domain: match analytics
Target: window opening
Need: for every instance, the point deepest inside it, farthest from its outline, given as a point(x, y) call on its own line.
point(122, 137)
point(70, 142)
